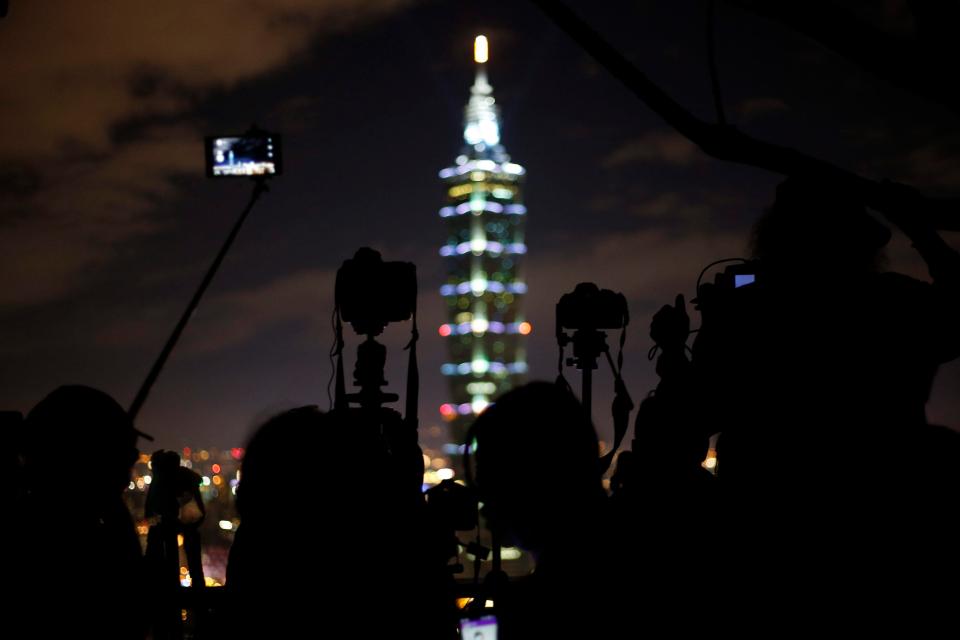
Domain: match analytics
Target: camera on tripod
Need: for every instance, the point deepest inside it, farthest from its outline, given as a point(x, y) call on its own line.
point(371, 293)
point(588, 310)
point(590, 307)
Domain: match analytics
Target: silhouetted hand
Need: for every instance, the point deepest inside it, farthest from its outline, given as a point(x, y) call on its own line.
point(905, 212)
point(671, 326)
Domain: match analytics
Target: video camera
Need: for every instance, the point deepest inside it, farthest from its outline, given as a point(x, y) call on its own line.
point(741, 274)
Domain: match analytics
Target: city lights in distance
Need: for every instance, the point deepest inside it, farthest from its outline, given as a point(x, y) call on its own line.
point(445, 474)
point(524, 328)
point(448, 411)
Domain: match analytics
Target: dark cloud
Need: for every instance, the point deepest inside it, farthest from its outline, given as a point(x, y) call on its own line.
point(101, 65)
point(662, 147)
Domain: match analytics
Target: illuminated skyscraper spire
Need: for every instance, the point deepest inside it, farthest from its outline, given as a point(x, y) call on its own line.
point(481, 122)
point(485, 219)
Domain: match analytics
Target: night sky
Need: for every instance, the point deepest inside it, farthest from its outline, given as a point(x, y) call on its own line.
point(108, 222)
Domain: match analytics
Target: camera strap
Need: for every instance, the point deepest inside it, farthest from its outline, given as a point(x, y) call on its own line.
point(622, 403)
point(340, 390)
point(413, 374)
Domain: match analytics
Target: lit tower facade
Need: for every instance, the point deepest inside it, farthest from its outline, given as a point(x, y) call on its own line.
point(484, 248)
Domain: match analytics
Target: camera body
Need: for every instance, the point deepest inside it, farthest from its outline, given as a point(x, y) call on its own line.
point(251, 154)
point(738, 275)
point(589, 307)
point(371, 293)
point(711, 295)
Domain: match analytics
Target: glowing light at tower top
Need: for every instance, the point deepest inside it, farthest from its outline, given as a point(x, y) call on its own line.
point(481, 127)
point(481, 50)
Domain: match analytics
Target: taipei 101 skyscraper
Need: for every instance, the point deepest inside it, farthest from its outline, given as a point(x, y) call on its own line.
point(484, 248)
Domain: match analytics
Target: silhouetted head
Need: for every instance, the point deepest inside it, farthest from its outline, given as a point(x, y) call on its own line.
point(89, 427)
point(536, 463)
point(666, 445)
point(817, 227)
point(274, 462)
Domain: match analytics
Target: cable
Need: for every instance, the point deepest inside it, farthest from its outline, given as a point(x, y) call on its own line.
point(332, 354)
point(712, 61)
point(715, 263)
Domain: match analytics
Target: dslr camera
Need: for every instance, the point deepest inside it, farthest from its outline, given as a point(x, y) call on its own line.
point(371, 293)
point(590, 307)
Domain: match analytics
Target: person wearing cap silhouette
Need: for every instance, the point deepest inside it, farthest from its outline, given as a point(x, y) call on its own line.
point(80, 564)
point(817, 375)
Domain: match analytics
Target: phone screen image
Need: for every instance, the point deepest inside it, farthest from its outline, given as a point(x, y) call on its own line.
point(483, 628)
point(242, 156)
point(743, 279)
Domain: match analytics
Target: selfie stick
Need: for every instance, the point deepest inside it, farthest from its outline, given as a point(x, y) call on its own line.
point(259, 188)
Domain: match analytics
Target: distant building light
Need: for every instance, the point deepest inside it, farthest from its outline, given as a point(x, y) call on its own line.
point(445, 474)
point(479, 326)
point(517, 367)
point(510, 553)
point(448, 411)
point(477, 286)
point(517, 287)
point(479, 404)
point(487, 388)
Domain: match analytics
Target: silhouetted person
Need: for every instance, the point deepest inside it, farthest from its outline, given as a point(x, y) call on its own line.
point(173, 508)
point(319, 507)
point(817, 375)
point(537, 471)
point(11, 463)
point(80, 570)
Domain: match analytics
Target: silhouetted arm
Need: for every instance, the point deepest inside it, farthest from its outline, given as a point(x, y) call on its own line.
point(942, 303)
point(906, 211)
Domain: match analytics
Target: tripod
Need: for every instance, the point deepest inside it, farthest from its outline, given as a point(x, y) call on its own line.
point(588, 344)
